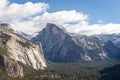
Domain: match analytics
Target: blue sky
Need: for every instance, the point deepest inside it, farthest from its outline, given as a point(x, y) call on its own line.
point(106, 10)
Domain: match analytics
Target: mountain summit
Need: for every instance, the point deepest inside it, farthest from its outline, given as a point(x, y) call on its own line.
point(57, 45)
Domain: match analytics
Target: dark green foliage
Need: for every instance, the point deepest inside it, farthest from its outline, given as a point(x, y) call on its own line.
point(3, 76)
point(111, 73)
point(63, 71)
point(71, 71)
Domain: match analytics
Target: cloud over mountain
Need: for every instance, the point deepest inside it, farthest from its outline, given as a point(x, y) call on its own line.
point(94, 29)
point(60, 17)
point(31, 17)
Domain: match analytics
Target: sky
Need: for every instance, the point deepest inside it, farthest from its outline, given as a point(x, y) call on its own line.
point(106, 10)
point(79, 16)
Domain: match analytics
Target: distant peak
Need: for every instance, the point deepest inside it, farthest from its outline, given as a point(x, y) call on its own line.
point(51, 26)
point(4, 24)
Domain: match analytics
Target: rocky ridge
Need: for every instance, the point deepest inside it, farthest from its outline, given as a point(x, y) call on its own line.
point(15, 48)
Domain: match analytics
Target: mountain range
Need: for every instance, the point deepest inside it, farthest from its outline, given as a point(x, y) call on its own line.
point(61, 46)
point(115, 38)
point(54, 44)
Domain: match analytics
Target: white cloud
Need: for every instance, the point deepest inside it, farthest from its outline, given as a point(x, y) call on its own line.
point(95, 29)
point(15, 11)
point(2, 7)
point(24, 26)
point(62, 17)
point(3, 3)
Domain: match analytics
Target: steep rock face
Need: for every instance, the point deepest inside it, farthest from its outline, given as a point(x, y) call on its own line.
point(60, 46)
point(20, 49)
point(113, 50)
point(11, 66)
point(97, 48)
point(27, 53)
point(94, 48)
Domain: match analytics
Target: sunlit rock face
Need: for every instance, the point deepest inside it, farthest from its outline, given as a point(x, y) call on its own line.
point(12, 67)
point(20, 49)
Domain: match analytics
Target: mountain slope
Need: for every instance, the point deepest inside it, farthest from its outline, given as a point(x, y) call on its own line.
point(60, 46)
point(115, 38)
point(15, 48)
point(26, 36)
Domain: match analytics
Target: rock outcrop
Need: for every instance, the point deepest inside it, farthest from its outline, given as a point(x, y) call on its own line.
point(18, 49)
point(11, 66)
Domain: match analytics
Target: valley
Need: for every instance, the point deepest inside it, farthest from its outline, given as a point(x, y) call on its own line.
point(63, 71)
